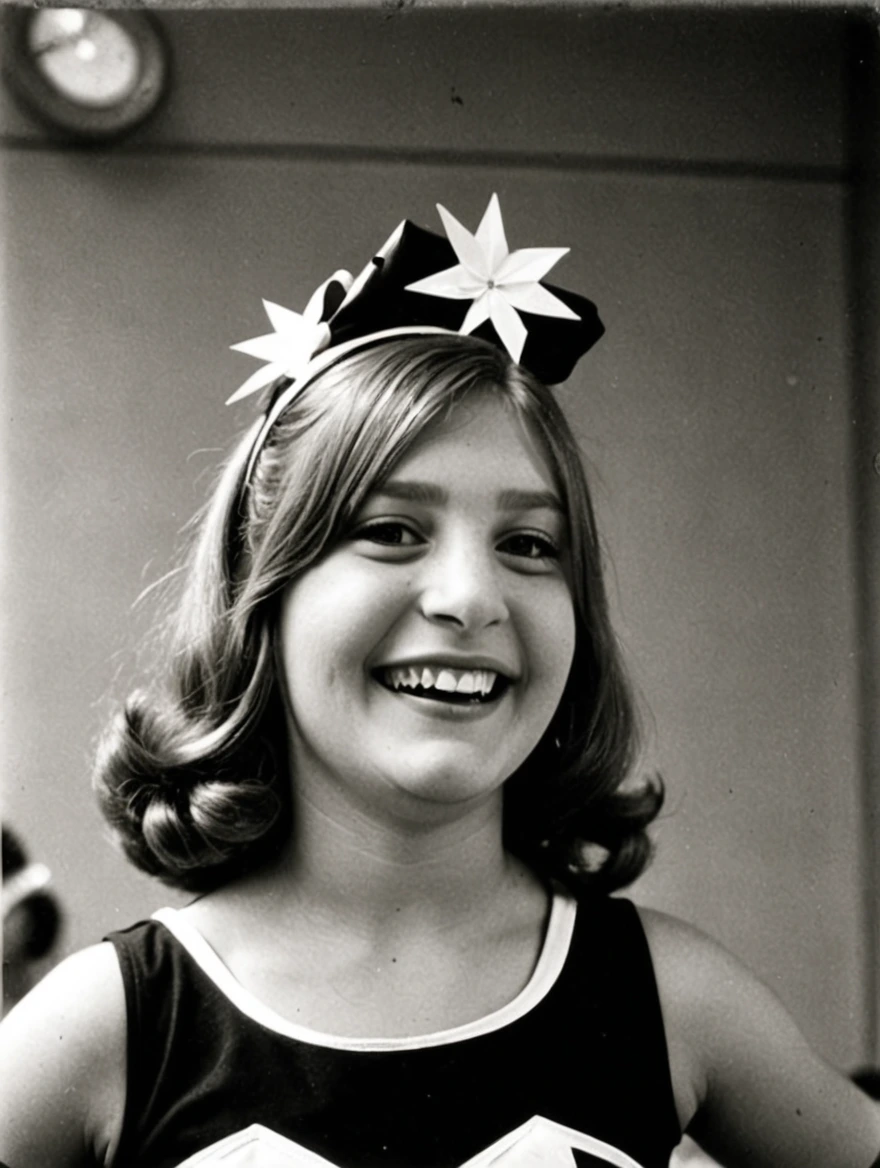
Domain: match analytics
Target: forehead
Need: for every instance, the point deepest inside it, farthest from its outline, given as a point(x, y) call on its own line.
point(482, 439)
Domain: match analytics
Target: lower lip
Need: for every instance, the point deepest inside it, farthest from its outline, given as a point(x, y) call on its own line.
point(448, 711)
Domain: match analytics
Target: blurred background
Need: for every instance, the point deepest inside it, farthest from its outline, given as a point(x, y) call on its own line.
point(712, 170)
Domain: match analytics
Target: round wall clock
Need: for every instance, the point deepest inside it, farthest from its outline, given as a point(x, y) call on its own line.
point(91, 73)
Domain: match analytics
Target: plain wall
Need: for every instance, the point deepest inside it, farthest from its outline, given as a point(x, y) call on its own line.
point(696, 163)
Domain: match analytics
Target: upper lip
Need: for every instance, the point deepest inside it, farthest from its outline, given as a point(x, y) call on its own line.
point(453, 661)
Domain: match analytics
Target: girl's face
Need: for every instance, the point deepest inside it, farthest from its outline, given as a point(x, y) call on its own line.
point(426, 653)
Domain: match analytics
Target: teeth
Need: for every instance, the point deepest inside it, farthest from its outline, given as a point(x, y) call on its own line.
point(463, 681)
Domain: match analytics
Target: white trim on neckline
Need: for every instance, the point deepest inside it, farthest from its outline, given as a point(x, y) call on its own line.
point(554, 951)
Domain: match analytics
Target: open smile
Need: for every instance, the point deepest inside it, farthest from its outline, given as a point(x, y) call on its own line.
point(444, 683)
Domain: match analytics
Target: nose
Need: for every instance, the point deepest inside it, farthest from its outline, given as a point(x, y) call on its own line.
point(462, 587)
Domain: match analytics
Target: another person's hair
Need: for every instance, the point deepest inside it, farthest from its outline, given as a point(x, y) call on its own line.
point(193, 774)
point(43, 916)
point(868, 1079)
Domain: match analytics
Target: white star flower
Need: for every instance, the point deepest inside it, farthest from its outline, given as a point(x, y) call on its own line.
point(297, 338)
point(497, 280)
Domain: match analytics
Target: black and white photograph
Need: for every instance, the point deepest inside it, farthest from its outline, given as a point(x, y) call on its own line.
point(440, 585)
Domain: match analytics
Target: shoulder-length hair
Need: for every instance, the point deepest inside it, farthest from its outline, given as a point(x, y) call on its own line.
point(192, 775)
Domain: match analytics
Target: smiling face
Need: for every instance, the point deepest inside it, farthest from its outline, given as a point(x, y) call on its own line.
point(425, 654)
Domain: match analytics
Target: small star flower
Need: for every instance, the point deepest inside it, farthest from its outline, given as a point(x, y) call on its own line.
point(497, 280)
point(297, 338)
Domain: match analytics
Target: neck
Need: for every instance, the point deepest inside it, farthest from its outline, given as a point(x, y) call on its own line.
point(373, 867)
point(373, 872)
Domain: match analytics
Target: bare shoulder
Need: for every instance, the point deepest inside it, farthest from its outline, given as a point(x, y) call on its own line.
point(694, 972)
point(706, 992)
point(62, 1063)
point(755, 1092)
point(685, 967)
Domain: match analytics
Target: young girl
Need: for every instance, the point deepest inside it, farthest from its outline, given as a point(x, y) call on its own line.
point(394, 757)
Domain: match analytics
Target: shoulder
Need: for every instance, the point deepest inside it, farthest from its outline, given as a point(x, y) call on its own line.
point(691, 968)
point(62, 1062)
point(701, 982)
point(709, 997)
point(747, 1082)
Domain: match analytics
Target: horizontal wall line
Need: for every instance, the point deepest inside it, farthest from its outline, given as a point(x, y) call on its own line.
point(563, 161)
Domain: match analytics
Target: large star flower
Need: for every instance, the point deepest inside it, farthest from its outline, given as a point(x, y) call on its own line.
point(297, 338)
point(497, 280)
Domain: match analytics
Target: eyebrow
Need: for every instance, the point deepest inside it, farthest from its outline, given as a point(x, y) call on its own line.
point(512, 499)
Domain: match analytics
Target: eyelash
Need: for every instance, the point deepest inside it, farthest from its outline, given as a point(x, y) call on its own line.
point(371, 530)
point(547, 548)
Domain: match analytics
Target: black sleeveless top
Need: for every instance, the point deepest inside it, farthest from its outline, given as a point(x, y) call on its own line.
point(573, 1073)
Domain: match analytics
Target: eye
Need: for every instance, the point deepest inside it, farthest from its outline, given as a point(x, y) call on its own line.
point(529, 545)
point(390, 533)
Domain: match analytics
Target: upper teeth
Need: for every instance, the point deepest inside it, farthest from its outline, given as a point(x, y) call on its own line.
point(466, 681)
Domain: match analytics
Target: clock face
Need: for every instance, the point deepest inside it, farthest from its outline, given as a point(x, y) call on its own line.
point(87, 73)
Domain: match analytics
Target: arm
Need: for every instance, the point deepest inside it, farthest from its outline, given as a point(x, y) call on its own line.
point(759, 1097)
point(62, 1066)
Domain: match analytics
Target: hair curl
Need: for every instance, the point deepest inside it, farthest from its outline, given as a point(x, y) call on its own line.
point(192, 775)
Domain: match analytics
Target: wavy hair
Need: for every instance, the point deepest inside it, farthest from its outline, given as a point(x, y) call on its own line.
point(192, 775)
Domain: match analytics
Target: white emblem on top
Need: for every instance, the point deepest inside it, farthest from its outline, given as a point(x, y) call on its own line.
point(538, 1143)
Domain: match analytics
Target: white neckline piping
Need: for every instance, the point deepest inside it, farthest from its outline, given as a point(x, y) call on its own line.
point(554, 952)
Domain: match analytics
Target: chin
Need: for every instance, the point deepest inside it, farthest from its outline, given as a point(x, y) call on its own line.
point(449, 780)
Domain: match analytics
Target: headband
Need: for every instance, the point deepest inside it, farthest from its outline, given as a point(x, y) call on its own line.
point(418, 284)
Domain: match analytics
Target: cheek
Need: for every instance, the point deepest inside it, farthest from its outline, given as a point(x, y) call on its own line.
point(552, 638)
point(331, 622)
